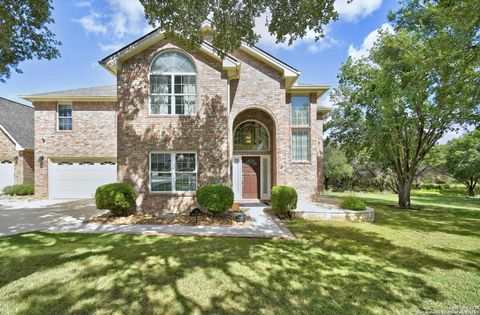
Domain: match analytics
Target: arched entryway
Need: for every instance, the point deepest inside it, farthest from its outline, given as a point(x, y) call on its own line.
point(253, 162)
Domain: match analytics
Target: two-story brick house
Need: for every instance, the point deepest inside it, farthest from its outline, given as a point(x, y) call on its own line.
point(179, 119)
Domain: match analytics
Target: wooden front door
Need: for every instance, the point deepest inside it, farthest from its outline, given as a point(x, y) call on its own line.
point(251, 177)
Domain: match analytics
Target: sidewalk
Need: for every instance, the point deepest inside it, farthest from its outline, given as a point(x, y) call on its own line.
point(263, 225)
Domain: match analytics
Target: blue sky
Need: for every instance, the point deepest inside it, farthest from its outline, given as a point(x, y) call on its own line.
point(91, 29)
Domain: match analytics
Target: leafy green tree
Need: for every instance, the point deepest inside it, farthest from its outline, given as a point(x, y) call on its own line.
point(411, 89)
point(335, 165)
point(24, 34)
point(233, 21)
point(463, 160)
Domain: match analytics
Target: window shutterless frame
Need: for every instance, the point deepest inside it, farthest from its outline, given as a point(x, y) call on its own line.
point(172, 94)
point(300, 143)
point(173, 171)
point(58, 116)
point(300, 114)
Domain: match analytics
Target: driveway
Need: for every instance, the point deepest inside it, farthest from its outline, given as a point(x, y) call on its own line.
point(21, 217)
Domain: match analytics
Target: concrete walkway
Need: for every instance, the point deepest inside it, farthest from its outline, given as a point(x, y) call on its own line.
point(68, 216)
point(263, 225)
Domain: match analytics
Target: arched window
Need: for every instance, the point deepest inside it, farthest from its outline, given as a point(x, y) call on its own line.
point(251, 136)
point(172, 84)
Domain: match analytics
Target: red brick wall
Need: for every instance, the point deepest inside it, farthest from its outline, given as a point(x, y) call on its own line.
point(140, 133)
point(93, 135)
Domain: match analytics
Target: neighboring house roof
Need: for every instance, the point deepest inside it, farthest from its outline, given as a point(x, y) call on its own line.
point(105, 93)
point(17, 121)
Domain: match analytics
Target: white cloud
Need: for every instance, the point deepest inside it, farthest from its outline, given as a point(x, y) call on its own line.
point(92, 23)
point(111, 47)
point(356, 9)
point(268, 41)
point(83, 3)
point(368, 42)
point(121, 19)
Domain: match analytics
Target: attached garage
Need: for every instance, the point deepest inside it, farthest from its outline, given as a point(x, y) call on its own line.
point(70, 179)
point(7, 173)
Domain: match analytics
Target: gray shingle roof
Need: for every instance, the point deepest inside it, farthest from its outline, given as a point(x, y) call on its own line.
point(18, 121)
point(104, 90)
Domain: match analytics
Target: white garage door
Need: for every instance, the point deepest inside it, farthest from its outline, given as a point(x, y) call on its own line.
point(79, 179)
point(7, 176)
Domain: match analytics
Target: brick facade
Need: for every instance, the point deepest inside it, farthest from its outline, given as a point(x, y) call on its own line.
point(259, 95)
point(93, 135)
point(23, 168)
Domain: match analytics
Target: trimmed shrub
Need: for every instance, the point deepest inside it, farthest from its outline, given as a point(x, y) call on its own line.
point(19, 190)
point(284, 199)
point(119, 198)
point(215, 198)
point(353, 203)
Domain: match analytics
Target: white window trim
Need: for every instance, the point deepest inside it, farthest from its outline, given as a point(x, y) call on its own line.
point(172, 157)
point(309, 110)
point(172, 99)
point(308, 160)
point(58, 117)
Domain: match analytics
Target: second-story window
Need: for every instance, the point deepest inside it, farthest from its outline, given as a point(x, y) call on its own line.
point(300, 110)
point(65, 117)
point(172, 85)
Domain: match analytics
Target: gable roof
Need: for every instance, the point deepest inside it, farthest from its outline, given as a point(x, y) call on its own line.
point(17, 121)
point(113, 61)
point(98, 93)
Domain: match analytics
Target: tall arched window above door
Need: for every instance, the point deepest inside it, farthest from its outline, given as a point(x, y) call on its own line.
point(172, 84)
point(251, 136)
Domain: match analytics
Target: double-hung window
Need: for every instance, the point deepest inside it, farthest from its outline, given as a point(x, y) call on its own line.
point(170, 172)
point(300, 145)
point(65, 117)
point(172, 84)
point(300, 110)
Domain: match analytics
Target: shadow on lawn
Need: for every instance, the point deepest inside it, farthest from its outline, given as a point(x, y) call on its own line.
point(330, 270)
point(450, 216)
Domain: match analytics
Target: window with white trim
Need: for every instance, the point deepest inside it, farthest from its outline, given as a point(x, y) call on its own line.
point(300, 145)
point(65, 117)
point(300, 110)
point(171, 172)
point(172, 84)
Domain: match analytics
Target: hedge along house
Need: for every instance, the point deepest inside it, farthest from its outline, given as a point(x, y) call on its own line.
point(188, 118)
point(16, 143)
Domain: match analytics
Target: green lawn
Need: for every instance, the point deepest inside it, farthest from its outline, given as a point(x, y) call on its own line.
point(404, 262)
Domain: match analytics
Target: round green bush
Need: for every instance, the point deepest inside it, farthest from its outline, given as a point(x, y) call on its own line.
point(353, 203)
point(19, 190)
point(119, 198)
point(215, 198)
point(284, 199)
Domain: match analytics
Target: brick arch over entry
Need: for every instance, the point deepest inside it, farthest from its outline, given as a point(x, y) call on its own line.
point(266, 119)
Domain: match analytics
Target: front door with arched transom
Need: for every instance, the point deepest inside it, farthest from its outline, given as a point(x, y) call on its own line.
point(251, 177)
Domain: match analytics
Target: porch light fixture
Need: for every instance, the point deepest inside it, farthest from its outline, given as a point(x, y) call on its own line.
point(15, 159)
point(40, 158)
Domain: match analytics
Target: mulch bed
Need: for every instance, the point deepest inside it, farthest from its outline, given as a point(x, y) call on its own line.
point(227, 218)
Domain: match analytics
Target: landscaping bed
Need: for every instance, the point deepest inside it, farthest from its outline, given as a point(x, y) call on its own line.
point(225, 219)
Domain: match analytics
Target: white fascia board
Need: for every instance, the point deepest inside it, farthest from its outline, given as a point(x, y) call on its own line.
point(33, 98)
point(18, 147)
point(113, 62)
point(287, 71)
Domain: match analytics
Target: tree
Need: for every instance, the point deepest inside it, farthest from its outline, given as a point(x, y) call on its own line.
point(336, 166)
point(24, 34)
point(233, 21)
point(412, 88)
point(463, 160)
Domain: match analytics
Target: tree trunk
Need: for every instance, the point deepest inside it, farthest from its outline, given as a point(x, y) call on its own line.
point(404, 188)
point(326, 182)
point(471, 191)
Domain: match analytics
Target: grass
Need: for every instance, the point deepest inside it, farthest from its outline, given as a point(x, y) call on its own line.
point(404, 262)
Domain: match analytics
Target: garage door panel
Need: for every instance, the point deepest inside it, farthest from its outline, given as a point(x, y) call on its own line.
point(79, 180)
point(7, 174)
